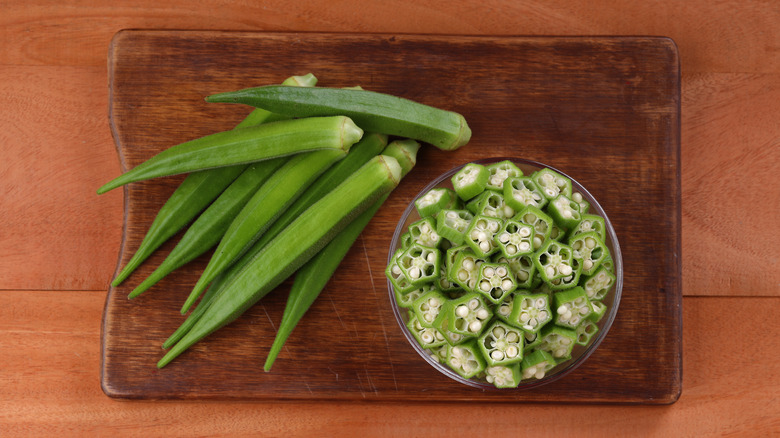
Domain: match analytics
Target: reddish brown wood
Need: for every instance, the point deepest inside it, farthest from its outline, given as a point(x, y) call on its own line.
point(604, 110)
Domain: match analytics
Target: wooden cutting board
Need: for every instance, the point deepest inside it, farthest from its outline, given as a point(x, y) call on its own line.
point(604, 110)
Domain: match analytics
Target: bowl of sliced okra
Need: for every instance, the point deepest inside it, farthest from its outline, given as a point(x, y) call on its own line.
point(504, 274)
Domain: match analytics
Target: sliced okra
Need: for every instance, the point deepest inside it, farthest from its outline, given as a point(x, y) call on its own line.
point(531, 341)
point(405, 300)
point(523, 269)
point(590, 249)
point(444, 329)
point(537, 364)
point(495, 281)
point(465, 359)
point(499, 172)
point(405, 241)
point(598, 310)
point(531, 312)
point(565, 212)
point(470, 180)
point(568, 281)
point(541, 222)
point(502, 344)
point(480, 235)
point(443, 283)
point(504, 376)
point(439, 354)
point(435, 200)
point(420, 264)
point(583, 203)
point(552, 183)
point(609, 264)
point(465, 270)
point(585, 332)
point(522, 192)
point(599, 284)
point(491, 203)
point(591, 222)
point(427, 337)
point(554, 260)
point(401, 284)
point(428, 307)
point(424, 232)
point(468, 315)
point(557, 341)
point(452, 224)
point(572, 307)
point(515, 239)
point(503, 310)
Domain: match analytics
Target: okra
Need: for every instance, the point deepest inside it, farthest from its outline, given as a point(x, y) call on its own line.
point(490, 203)
point(246, 145)
point(212, 224)
point(465, 359)
point(293, 247)
point(554, 260)
point(571, 307)
point(372, 111)
point(435, 200)
point(585, 332)
point(589, 248)
point(599, 284)
point(598, 310)
point(591, 222)
point(531, 312)
point(521, 192)
point(470, 181)
point(537, 364)
point(495, 281)
point(197, 191)
point(565, 212)
point(267, 203)
point(541, 222)
point(501, 344)
point(452, 225)
point(500, 172)
point(515, 239)
point(465, 270)
point(557, 341)
point(423, 232)
point(406, 299)
point(427, 337)
point(582, 202)
point(428, 308)
point(420, 264)
point(504, 376)
point(468, 316)
point(523, 269)
point(552, 183)
point(481, 234)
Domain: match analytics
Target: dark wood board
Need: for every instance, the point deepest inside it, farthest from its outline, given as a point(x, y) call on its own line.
point(605, 110)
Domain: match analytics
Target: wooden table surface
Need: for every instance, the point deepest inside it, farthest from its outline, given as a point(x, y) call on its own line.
point(60, 241)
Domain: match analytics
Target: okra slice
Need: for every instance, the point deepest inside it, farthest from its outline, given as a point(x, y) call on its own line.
point(470, 181)
point(531, 312)
point(480, 235)
point(420, 264)
point(397, 277)
point(428, 307)
point(501, 344)
point(443, 283)
point(557, 341)
point(468, 315)
point(495, 281)
point(552, 183)
point(434, 201)
point(465, 359)
point(554, 260)
point(405, 300)
point(465, 270)
point(504, 376)
point(585, 332)
point(515, 239)
point(541, 222)
point(584, 204)
point(571, 307)
point(590, 249)
point(427, 337)
point(591, 222)
point(444, 328)
point(491, 203)
point(523, 269)
point(452, 224)
point(598, 310)
point(439, 353)
point(565, 212)
point(531, 341)
point(536, 364)
point(503, 310)
point(599, 284)
point(423, 232)
point(499, 172)
point(522, 192)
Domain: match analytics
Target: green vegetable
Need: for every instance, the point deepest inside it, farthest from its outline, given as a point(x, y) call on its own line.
point(452, 225)
point(466, 359)
point(495, 281)
point(246, 145)
point(470, 181)
point(434, 201)
point(293, 247)
point(572, 307)
point(531, 312)
point(537, 364)
point(279, 191)
point(501, 344)
point(373, 112)
point(500, 172)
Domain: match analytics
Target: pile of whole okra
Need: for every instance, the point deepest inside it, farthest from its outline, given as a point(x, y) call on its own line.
point(286, 192)
point(503, 274)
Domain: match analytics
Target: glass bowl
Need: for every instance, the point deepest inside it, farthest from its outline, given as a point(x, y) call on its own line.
point(579, 353)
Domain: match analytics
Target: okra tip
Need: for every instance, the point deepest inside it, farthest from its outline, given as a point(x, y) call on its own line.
point(464, 134)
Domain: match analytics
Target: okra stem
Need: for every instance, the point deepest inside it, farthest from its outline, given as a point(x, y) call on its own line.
point(293, 247)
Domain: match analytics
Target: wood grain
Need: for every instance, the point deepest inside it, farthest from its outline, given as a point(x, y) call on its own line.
point(585, 93)
point(49, 386)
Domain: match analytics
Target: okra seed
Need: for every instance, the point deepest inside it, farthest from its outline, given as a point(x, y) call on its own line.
point(542, 315)
point(528, 327)
point(547, 177)
point(501, 271)
point(498, 332)
point(550, 192)
point(463, 275)
point(425, 228)
point(426, 337)
point(415, 273)
point(561, 310)
point(431, 257)
point(566, 316)
point(508, 211)
point(524, 317)
point(473, 304)
point(475, 326)
point(590, 243)
point(550, 271)
point(533, 322)
point(482, 314)
point(475, 234)
point(504, 310)
point(506, 284)
point(587, 264)
point(455, 362)
point(560, 182)
point(540, 303)
point(452, 215)
point(560, 352)
point(565, 341)
point(566, 213)
point(528, 372)
point(565, 269)
point(574, 320)
point(497, 355)
point(511, 249)
point(417, 325)
point(434, 302)
point(489, 272)
point(576, 197)
point(512, 337)
point(537, 242)
point(396, 270)
point(539, 373)
point(503, 238)
point(511, 352)
point(429, 317)
point(462, 311)
point(485, 286)
point(522, 275)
